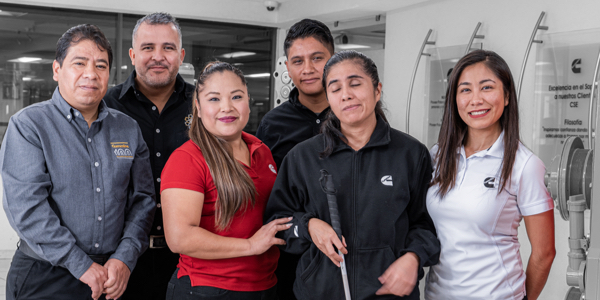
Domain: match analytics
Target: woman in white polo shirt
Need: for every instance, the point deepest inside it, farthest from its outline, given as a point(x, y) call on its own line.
point(484, 182)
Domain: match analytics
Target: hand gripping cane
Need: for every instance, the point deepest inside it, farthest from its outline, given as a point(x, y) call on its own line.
point(329, 189)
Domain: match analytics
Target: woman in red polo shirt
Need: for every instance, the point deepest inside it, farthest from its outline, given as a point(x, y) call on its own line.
point(214, 191)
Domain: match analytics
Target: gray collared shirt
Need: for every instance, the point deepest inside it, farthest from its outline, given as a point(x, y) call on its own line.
point(71, 191)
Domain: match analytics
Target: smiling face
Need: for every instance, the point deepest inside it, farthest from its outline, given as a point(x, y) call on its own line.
point(156, 55)
point(351, 94)
point(480, 98)
point(224, 105)
point(306, 59)
point(83, 77)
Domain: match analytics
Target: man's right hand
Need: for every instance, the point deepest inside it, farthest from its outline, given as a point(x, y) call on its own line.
point(95, 277)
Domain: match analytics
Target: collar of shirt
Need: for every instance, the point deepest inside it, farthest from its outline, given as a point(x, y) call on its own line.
point(71, 113)
point(496, 150)
point(293, 99)
point(129, 84)
point(379, 137)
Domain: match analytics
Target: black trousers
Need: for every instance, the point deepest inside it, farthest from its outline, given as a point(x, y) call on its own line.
point(286, 275)
point(151, 275)
point(29, 278)
point(182, 289)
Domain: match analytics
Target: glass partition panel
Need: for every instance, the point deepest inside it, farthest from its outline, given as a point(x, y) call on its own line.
point(564, 70)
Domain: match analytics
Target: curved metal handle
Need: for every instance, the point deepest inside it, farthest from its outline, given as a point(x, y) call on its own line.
point(474, 36)
point(591, 134)
point(531, 41)
point(412, 79)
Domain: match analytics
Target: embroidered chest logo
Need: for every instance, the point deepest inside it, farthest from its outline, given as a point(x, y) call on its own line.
point(121, 150)
point(489, 182)
point(188, 121)
point(272, 168)
point(387, 180)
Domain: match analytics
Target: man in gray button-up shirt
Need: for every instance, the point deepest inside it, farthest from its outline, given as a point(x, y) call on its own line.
point(78, 186)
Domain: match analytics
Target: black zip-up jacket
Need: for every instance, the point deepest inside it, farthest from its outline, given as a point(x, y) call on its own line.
point(381, 192)
point(285, 126)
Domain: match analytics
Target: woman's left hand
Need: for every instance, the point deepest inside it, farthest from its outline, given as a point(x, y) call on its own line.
point(401, 276)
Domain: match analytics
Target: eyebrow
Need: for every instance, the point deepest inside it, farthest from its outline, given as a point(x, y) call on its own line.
point(481, 82)
point(312, 54)
point(238, 90)
point(354, 76)
point(87, 59)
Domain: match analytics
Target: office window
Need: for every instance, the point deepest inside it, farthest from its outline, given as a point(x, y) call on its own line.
point(29, 35)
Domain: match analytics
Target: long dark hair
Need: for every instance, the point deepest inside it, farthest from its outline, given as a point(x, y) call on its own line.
point(331, 127)
point(234, 186)
point(454, 130)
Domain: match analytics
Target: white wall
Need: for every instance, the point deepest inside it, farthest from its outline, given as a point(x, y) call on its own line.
point(507, 26)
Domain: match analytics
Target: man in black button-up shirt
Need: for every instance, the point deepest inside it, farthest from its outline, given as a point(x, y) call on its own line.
point(308, 45)
point(160, 101)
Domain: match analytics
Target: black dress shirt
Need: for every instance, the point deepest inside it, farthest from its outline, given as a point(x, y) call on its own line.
point(163, 132)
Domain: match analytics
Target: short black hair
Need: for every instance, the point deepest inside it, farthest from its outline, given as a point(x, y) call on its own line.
point(309, 28)
point(157, 18)
point(80, 33)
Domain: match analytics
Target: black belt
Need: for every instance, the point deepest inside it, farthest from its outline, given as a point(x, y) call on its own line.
point(97, 258)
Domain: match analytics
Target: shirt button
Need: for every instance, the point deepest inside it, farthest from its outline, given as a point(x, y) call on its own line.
point(96, 164)
point(68, 116)
point(77, 114)
point(96, 245)
point(318, 121)
point(99, 218)
point(153, 107)
point(159, 227)
point(158, 205)
point(98, 190)
point(158, 179)
point(157, 154)
point(89, 140)
point(157, 130)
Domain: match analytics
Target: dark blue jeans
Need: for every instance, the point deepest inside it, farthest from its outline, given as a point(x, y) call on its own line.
point(29, 278)
point(182, 289)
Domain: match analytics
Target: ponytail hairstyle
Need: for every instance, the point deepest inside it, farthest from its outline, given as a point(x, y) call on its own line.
point(234, 186)
point(331, 128)
point(453, 133)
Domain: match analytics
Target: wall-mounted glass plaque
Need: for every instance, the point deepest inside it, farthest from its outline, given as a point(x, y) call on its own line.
point(440, 64)
point(564, 70)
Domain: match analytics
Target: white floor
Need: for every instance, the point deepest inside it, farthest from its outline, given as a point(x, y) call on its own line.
point(5, 259)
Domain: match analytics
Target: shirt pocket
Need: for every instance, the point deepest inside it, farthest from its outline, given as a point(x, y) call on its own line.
point(371, 263)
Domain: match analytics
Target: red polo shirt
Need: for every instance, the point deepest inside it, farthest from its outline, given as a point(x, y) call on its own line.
point(187, 169)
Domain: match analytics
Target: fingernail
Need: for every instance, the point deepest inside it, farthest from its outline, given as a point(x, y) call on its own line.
point(288, 224)
point(290, 218)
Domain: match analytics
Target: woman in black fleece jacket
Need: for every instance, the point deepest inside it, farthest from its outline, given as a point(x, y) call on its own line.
point(381, 176)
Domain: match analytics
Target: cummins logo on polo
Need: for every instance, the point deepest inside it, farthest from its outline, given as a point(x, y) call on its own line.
point(489, 182)
point(387, 180)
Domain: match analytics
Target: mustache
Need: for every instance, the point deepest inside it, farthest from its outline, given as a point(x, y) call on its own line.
point(158, 65)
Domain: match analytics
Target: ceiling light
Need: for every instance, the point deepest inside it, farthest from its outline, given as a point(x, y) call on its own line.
point(258, 75)
point(351, 46)
point(237, 54)
point(26, 59)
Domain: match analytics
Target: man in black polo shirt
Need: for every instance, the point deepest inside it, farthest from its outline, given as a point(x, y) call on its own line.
point(158, 98)
point(308, 45)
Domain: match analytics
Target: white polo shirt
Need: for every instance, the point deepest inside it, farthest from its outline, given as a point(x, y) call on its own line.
point(477, 227)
